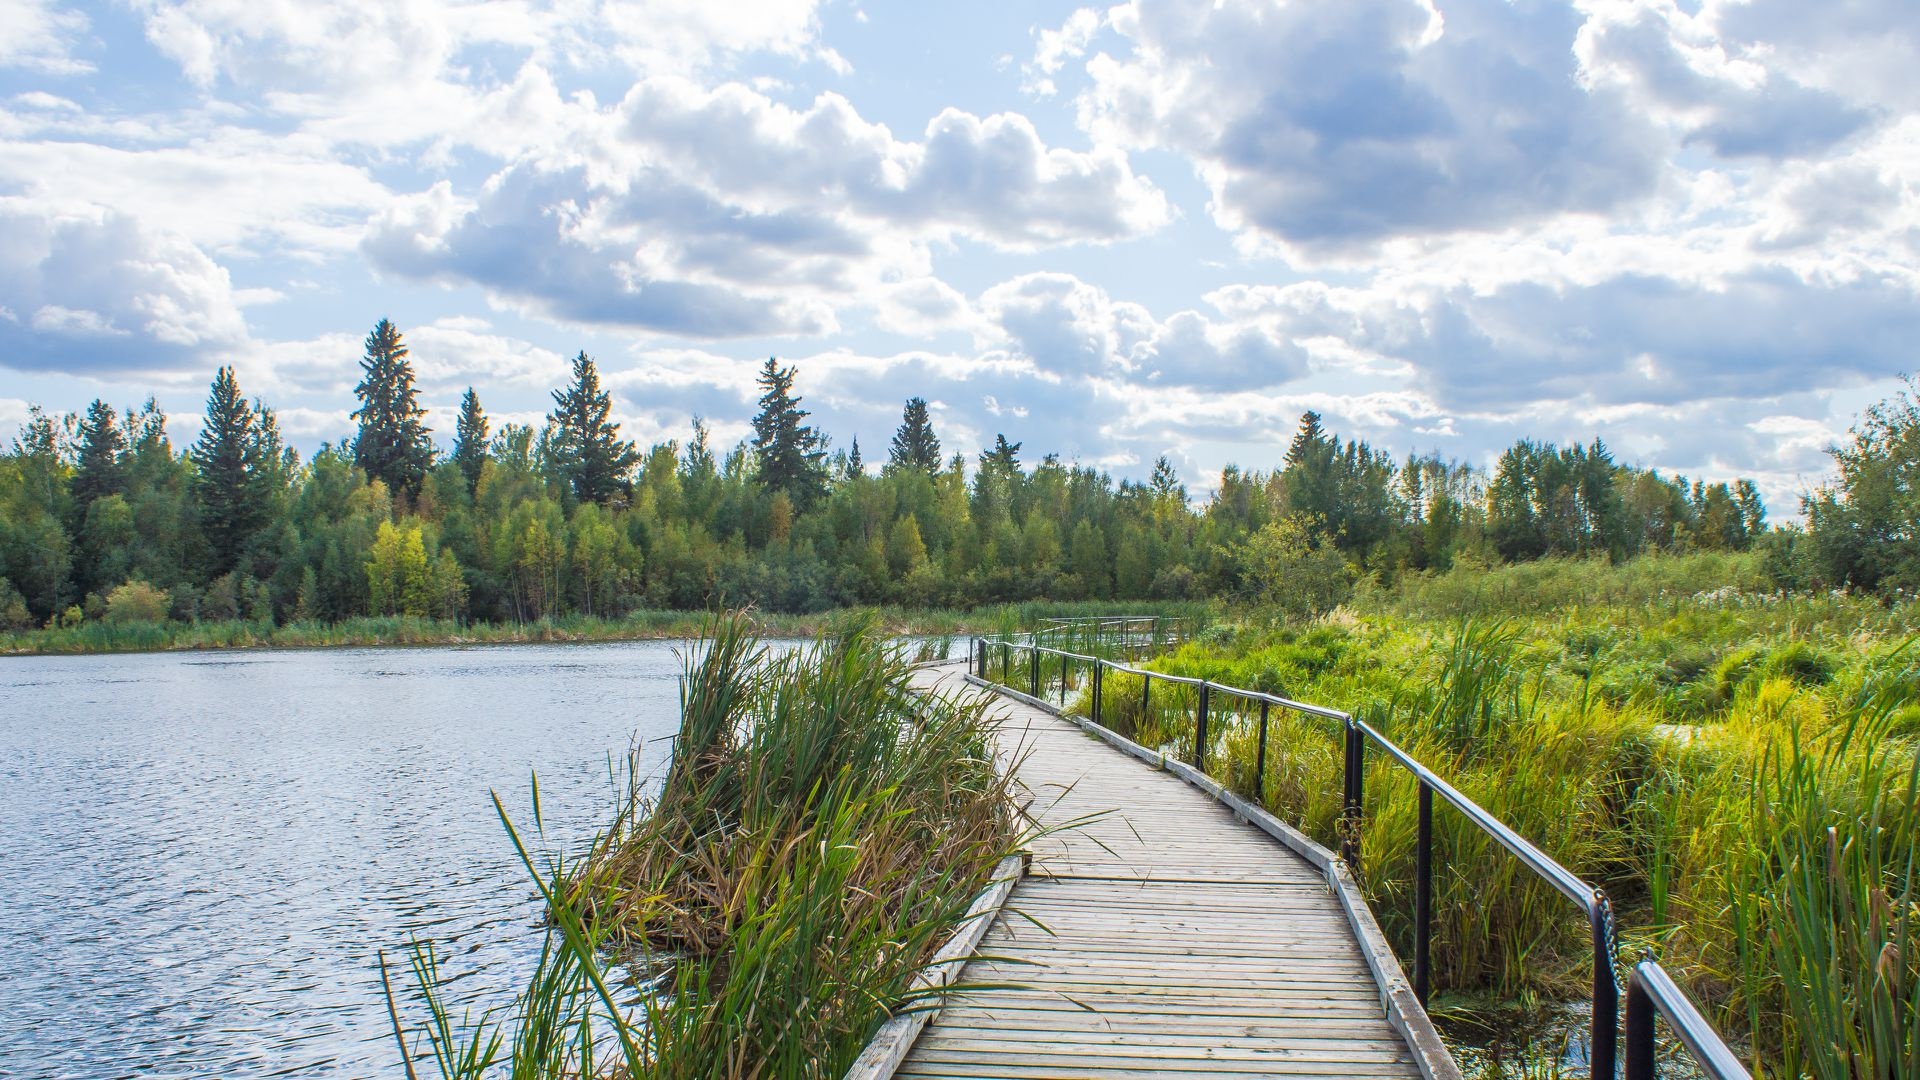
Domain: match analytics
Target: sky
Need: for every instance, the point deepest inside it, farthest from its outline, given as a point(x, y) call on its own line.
point(1691, 229)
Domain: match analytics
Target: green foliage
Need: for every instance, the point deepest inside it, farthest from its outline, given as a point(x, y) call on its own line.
point(233, 472)
point(1863, 527)
point(1286, 569)
point(137, 602)
point(786, 451)
point(587, 448)
point(571, 520)
point(915, 446)
point(470, 440)
point(100, 465)
point(820, 832)
point(392, 445)
point(1737, 769)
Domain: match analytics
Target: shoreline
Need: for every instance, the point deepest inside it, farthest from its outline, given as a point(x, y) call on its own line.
point(240, 635)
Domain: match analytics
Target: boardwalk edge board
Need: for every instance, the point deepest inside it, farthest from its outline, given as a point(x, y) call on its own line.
point(1402, 1009)
point(895, 1038)
point(891, 1044)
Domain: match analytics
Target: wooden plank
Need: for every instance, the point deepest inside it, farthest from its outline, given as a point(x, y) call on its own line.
point(1163, 936)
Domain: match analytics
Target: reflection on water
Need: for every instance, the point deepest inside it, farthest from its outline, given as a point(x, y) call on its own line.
point(200, 856)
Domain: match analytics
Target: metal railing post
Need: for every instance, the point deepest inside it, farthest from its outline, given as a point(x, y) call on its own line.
point(1097, 667)
point(1606, 990)
point(1355, 766)
point(1034, 673)
point(1423, 897)
point(1200, 731)
point(1260, 758)
point(1640, 1019)
point(1146, 693)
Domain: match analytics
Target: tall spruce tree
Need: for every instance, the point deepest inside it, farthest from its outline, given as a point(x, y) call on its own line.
point(101, 468)
point(787, 451)
point(392, 446)
point(855, 466)
point(1165, 483)
point(1004, 458)
point(586, 445)
point(470, 439)
point(227, 460)
point(915, 446)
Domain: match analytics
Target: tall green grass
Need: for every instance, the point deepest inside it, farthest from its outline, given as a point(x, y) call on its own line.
point(1737, 769)
point(821, 829)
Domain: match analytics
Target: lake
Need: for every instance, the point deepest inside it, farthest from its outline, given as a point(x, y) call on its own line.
point(201, 854)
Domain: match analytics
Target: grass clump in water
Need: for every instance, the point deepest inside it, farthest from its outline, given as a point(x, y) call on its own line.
point(821, 830)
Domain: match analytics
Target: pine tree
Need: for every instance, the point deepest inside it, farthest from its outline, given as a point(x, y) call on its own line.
point(101, 468)
point(470, 440)
point(1309, 437)
point(787, 452)
point(227, 459)
point(1165, 482)
point(855, 466)
point(698, 464)
point(392, 445)
point(586, 446)
point(1004, 458)
point(915, 446)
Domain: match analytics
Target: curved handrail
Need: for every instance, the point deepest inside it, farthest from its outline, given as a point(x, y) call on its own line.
point(1651, 989)
point(1592, 900)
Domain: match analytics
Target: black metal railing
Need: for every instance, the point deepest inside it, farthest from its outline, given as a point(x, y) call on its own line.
point(1112, 635)
point(1652, 993)
point(1651, 982)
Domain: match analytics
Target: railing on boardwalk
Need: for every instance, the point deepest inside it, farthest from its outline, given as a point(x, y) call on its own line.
point(1649, 990)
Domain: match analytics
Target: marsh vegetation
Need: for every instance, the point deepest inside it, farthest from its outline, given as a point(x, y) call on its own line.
point(820, 831)
point(1736, 767)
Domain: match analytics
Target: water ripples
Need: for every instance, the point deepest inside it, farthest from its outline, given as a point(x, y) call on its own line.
point(201, 857)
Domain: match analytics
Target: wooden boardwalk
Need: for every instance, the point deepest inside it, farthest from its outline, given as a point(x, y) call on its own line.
point(1174, 939)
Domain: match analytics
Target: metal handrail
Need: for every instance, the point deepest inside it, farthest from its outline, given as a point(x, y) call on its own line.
point(1652, 982)
point(1652, 992)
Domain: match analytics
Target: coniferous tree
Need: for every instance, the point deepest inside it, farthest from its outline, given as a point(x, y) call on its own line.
point(855, 466)
point(698, 463)
point(470, 440)
point(1004, 458)
point(787, 452)
point(101, 467)
point(915, 445)
point(1308, 437)
point(1165, 482)
point(392, 445)
point(586, 447)
point(227, 459)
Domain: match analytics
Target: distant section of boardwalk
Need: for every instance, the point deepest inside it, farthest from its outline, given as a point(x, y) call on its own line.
point(1172, 938)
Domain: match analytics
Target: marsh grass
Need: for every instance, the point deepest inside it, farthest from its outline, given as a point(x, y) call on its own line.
point(820, 831)
point(1739, 771)
point(100, 636)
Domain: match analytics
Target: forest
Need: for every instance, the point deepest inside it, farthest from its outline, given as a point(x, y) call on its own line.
point(103, 519)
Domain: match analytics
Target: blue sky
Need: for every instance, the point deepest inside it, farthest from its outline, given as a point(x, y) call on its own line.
point(1164, 227)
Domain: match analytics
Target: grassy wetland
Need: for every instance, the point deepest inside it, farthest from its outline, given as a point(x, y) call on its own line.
point(1736, 767)
point(819, 832)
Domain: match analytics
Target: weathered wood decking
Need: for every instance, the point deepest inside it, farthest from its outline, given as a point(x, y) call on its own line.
point(1174, 939)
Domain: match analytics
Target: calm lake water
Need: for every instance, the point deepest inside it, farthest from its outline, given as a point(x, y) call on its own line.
point(202, 854)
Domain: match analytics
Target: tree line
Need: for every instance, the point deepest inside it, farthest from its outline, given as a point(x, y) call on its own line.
point(102, 517)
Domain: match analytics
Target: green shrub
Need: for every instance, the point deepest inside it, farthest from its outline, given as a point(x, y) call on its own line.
point(137, 602)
